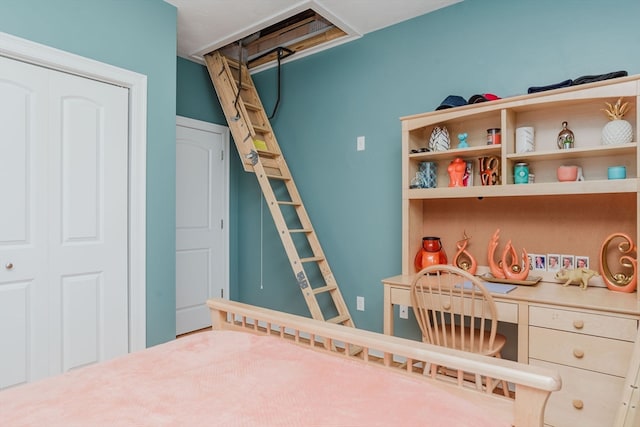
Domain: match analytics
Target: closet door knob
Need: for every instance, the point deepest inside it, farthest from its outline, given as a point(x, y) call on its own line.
point(9, 266)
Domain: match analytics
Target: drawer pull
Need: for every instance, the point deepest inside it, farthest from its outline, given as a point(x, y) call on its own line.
point(446, 305)
point(578, 404)
point(579, 354)
point(578, 324)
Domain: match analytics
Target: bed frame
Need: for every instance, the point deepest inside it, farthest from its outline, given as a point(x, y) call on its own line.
point(533, 385)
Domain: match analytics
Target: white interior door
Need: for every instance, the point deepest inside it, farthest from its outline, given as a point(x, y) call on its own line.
point(23, 263)
point(201, 221)
point(63, 226)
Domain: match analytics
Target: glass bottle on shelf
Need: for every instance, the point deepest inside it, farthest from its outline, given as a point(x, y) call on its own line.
point(566, 139)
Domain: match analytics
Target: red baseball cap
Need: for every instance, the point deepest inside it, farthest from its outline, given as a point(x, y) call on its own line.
point(482, 98)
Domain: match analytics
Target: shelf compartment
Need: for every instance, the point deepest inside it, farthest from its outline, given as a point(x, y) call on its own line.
point(465, 153)
point(577, 153)
point(629, 185)
point(474, 125)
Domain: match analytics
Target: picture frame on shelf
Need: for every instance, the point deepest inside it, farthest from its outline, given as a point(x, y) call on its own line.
point(567, 262)
point(582, 261)
point(539, 262)
point(553, 262)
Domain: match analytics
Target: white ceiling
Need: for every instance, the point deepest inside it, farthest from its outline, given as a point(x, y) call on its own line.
point(206, 25)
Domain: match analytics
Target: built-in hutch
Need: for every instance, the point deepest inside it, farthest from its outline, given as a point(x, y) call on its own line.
point(587, 335)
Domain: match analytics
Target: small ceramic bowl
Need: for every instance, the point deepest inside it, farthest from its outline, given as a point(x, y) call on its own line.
point(567, 173)
point(617, 172)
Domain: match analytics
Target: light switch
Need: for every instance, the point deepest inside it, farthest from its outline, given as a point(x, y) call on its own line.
point(360, 143)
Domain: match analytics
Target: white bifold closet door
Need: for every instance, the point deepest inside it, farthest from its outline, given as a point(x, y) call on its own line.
point(63, 222)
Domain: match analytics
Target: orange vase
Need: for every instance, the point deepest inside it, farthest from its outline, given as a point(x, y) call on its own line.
point(431, 253)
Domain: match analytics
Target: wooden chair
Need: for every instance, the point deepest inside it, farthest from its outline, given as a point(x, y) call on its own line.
point(455, 310)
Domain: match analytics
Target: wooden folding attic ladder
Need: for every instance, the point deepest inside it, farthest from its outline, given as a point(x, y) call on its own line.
point(260, 153)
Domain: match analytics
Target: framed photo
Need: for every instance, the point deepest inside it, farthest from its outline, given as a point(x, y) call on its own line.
point(539, 262)
point(553, 262)
point(567, 262)
point(582, 261)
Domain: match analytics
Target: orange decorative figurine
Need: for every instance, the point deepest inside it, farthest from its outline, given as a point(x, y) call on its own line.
point(503, 270)
point(494, 267)
point(456, 170)
point(463, 259)
point(515, 270)
point(620, 281)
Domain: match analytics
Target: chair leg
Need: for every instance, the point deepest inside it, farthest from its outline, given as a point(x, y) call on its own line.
point(505, 385)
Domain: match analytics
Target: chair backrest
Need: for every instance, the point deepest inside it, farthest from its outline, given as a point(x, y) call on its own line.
point(449, 304)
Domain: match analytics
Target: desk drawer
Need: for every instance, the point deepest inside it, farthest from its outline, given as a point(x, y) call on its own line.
point(621, 328)
point(400, 296)
point(581, 351)
point(507, 311)
point(587, 399)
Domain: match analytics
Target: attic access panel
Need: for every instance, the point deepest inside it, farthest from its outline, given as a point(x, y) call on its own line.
point(299, 32)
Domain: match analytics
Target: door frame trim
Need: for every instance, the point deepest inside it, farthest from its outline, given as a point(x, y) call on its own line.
point(224, 130)
point(49, 57)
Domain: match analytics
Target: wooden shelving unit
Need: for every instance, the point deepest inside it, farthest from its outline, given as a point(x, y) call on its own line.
point(545, 217)
point(579, 215)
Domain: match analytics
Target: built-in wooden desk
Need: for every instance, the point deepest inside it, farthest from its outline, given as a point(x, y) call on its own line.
point(587, 335)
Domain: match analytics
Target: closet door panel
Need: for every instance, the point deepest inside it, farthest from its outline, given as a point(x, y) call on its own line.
point(63, 222)
point(88, 235)
point(23, 218)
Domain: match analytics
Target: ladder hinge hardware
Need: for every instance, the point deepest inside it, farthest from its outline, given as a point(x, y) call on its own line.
point(252, 157)
point(302, 280)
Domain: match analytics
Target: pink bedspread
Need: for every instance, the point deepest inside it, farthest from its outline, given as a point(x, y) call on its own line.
point(233, 379)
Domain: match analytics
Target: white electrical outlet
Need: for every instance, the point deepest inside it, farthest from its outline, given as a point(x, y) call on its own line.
point(360, 143)
point(404, 312)
point(360, 303)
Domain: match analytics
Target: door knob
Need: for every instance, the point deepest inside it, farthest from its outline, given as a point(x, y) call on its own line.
point(9, 266)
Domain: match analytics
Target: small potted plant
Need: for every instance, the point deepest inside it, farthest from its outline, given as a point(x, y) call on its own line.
point(618, 130)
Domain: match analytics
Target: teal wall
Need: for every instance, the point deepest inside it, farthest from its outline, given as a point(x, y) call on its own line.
point(363, 87)
point(140, 36)
point(328, 99)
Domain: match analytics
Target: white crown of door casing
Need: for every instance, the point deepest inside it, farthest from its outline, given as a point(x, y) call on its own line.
point(38, 54)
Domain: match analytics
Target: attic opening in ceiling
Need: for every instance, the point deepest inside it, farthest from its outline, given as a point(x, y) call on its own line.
point(296, 33)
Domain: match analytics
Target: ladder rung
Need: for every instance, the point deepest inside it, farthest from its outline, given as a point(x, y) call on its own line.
point(253, 107)
point(289, 203)
point(312, 259)
point(282, 177)
point(339, 319)
point(244, 86)
point(322, 289)
point(300, 230)
point(269, 154)
point(260, 128)
point(232, 63)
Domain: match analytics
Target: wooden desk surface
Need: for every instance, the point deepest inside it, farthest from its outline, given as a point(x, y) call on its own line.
point(593, 298)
